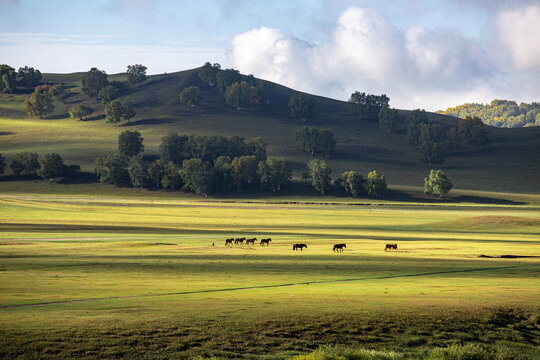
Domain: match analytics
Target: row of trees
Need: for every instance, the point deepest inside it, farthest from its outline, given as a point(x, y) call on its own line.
point(25, 77)
point(314, 141)
point(49, 166)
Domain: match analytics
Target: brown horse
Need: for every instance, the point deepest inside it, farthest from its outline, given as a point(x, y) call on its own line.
point(266, 241)
point(228, 241)
point(251, 241)
point(239, 241)
point(339, 247)
point(390, 247)
point(299, 246)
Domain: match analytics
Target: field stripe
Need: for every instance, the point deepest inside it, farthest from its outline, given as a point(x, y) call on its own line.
point(264, 286)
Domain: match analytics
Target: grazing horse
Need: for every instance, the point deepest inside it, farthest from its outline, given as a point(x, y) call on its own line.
point(239, 241)
point(339, 247)
point(390, 247)
point(266, 241)
point(251, 241)
point(228, 241)
point(299, 246)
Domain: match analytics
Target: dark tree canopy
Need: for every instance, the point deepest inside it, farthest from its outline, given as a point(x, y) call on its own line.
point(387, 118)
point(273, 173)
point(223, 174)
point(474, 130)
point(353, 182)
point(266, 91)
point(241, 96)
point(8, 79)
point(28, 76)
point(173, 148)
point(415, 119)
point(376, 184)
point(367, 106)
point(301, 106)
point(138, 172)
point(325, 142)
point(197, 176)
point(25, 163)
point(40, 103)
point(314, 141)
point(51, 166)
point(432, 145)
point(319, 174)
point(129, 111)
point(171, 177)
point(156, 171)
point(114, 111)
point(208, 73)
point(93, 81)
point(112, 169)
point(2, 164)
point(244, 171)
point(190, 96)
point(80, 111)
point(437, 183)
point(130, 143)
point(136, 73)
point(227, 77)
point(108, 94)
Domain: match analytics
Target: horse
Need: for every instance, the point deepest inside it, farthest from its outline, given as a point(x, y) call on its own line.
point(299, 246)
point(239, 240)
point(390, 247)
point(228, 241)
point(339, 247)
point(265, 241)
point(251, 241)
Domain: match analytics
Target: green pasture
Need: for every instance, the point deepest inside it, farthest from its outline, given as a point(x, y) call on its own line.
point(138, 277)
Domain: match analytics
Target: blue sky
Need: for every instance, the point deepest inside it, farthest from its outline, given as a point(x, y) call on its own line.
point(423, 53)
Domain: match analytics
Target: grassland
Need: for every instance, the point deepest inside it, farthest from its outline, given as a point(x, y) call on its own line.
point(107, 276)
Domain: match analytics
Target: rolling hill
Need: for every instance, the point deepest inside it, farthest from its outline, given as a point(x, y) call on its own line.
point(509, 164)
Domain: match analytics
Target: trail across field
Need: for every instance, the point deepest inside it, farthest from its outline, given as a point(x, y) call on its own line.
point(265, 286)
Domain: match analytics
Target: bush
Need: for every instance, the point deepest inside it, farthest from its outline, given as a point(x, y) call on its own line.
point(331, 353)
point(460, 352)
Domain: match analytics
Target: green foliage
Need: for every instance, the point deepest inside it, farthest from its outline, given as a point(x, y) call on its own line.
point(223, 174)
point(376, 185)
point(138, 172)
point(40, 103)
point(325, 142)
point(432, 145)
point(266, 91)
point(2, 164)
point(353, 182)
point(8, 79)
point(319, 174)
point(129, 111)
point(241, 95)
point(367, 106)
point(460, 352)
point(108, 94)
point(387, 118)
point(190, 96)
point(415, 119)
point(208, 73)
point(244, 171)
point(342, 353)
point(227, 77)
point(136, 73)
point(51, 166)
point(93, 81)
point(114, 111)
point(24, 163)
point(301, 106)
point(130, 143)
point(453, 139)
point(255, 146)
point(173, 147)
point(210, 147)
point(197, 176)
point(80, 111)
point(312, 140)
point(437, 183)
point(171, 177)
point(273, 173)
point(28, 76)
point(156, 171)
point(500, 113)
point(111, 169)
point(474, 130)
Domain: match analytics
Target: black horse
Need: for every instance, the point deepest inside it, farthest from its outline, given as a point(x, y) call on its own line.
point(266, 241)
point(339, 247)
point(299, 246)
point(390, 247)
point(228, 241)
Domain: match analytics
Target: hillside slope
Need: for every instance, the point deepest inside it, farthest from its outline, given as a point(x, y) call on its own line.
point(510, 163)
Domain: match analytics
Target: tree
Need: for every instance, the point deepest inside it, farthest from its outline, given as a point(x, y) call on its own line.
point(111, 169)
point(129, 111)
point(29, 76)
point(136, 73)
point(2, 164)
point(241, 95)
point(24, 163)
point(114, 111)
point(197, 176)
point(130, 143)
point(320, 175)
point(273, 173)
point(244, 171)
point(306, 139)
point(437, 183)
point(39, 104)
point(376, 184)
point(431, 145)
point(138, 172)
point(325, 142)
point(387, 118)
point(415, 119)
point(173, 147)
point(301, 106)
point(474, 130)
point(266, 91)
point(51, 166)
point(8, 79)
point(256, 147)
point(156, 170)
point(93, 81)
point(171, 177)
point(367, 106)
point(190, 96)
point(453, 139)
point(80, 111)
point(108, 94)
point(352, 182)
point(223, 174)
point(208, 73)
point(227, 77)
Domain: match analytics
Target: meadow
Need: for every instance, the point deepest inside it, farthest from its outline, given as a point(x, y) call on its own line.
point(112, 276)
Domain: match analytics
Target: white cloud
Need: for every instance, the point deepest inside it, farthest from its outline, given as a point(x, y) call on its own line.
point(416, 67)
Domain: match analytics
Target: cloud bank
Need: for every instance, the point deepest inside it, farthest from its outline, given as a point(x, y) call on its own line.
point(416, 67)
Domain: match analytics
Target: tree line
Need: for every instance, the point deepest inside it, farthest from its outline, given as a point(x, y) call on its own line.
point(49, 166)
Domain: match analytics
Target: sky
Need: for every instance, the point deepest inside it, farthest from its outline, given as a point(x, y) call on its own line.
point(430, 54)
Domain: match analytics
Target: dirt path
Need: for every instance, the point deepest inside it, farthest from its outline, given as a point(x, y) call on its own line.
point(263, 286)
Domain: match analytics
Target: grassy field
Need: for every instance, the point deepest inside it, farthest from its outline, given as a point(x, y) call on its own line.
point(105, 276)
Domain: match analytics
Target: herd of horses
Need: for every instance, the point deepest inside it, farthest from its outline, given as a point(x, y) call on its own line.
point(299, 246)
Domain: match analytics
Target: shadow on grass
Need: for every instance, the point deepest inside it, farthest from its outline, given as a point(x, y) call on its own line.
point(152, 121)
point(7, 133)
point(397, 195)
point(80, 178)
point(94, 118)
